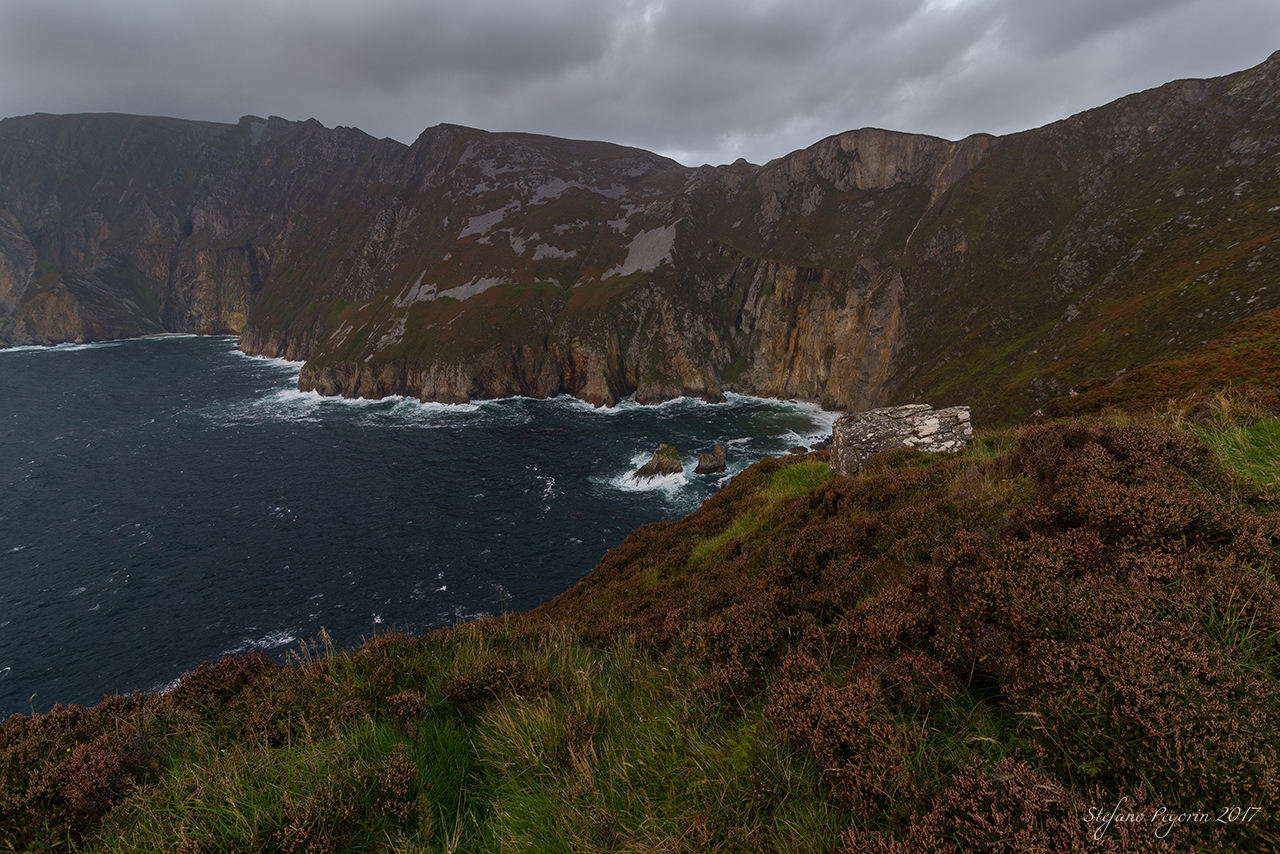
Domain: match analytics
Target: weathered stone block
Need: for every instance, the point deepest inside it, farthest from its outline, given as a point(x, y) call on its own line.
point(858, 437)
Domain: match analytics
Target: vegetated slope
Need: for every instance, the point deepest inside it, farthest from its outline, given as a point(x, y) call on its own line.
point(999, 650)
point(1244, 357)
point(872, 267)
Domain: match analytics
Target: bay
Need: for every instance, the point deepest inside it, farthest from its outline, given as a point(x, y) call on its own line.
point(169, 500)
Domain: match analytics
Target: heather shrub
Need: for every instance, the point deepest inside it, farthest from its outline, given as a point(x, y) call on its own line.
point(898, 616)
point(861, 749)
point(917, 681)
point(407, 707)
point(1013, 808)
point(738, 644)
point(62, 770)
point(98, 775)
point(1146, 696)
point(206, 690)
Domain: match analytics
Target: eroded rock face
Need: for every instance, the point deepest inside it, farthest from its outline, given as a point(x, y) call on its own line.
point(666, 460)
point(712, 463)
point(858, 437)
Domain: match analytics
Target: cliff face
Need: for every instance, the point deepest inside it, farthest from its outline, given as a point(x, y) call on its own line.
point(143, 225)
point(871, 268)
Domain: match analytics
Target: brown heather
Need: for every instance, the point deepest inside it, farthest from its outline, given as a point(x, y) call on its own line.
point(1103, 590)
point(861, 749)
point(1006, 807)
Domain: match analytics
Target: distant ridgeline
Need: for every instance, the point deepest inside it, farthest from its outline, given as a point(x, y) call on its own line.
point(873, 268)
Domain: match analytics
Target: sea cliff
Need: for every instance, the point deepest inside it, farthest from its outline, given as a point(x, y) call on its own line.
point(871, 268)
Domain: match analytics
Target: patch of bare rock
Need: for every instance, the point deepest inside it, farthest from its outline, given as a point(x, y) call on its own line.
point(858, 437)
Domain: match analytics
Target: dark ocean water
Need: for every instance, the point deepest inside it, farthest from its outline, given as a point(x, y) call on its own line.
point(164, 501)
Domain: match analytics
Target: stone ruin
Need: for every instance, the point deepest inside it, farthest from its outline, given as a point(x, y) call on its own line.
point(858, 437)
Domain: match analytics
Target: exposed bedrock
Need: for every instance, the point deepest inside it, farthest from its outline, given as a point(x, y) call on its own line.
point(858, 437)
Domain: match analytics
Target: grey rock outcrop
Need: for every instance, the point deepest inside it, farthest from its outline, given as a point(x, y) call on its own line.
point(666, 460)
point(712, 463)
point(858, 437)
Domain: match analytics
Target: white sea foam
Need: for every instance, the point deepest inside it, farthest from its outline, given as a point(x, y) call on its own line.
point(95, 345)
point(433, 408)
point(270, 360)
point(290, 404)
point(64, 348)
point(570, 402)
point(166, 687)
point(271, 640)
point(669, 483)
point(628, 405)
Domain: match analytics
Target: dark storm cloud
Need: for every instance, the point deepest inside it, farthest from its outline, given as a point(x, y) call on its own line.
point(702, 80)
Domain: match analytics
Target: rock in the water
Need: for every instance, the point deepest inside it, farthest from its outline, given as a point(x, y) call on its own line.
point(666, 460)
point(858, 437)
point(712, 463)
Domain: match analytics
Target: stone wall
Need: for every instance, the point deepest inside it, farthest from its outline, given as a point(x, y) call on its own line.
point(858, 437)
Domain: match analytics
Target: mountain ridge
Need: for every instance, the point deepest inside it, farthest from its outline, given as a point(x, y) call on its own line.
point(873, 267)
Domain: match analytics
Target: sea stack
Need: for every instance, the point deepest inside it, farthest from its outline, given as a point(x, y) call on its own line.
point(666, 460)
point(712, 463)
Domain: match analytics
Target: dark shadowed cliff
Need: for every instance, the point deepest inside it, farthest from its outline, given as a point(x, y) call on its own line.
point(873, 267)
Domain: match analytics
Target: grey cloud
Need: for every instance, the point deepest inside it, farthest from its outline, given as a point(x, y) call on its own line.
point(703, 80)
point(1051, 27)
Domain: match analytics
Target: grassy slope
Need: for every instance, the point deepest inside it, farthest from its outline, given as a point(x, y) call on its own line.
point(943, 653)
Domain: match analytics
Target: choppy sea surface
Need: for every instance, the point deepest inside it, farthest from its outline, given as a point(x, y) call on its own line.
point(165, 501)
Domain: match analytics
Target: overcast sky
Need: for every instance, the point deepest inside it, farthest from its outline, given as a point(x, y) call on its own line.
point(703, 81)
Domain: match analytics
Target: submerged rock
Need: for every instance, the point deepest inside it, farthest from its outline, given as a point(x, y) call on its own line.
point(858, 437)
point(666, 460)
point(712, 463)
